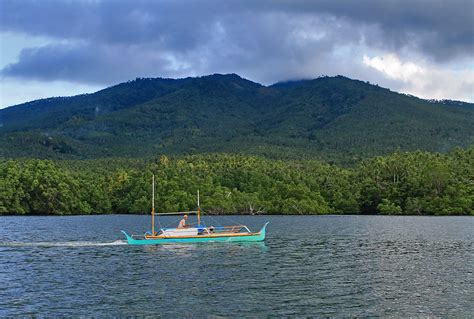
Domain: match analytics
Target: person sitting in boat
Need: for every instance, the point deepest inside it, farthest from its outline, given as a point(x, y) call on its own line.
point(184, 222)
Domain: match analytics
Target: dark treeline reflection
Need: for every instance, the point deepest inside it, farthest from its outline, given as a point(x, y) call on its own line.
point(402, 183)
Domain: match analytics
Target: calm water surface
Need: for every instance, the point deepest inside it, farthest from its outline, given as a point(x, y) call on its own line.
point(315, 265)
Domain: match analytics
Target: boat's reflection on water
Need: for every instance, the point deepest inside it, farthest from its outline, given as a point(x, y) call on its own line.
point(190, 249)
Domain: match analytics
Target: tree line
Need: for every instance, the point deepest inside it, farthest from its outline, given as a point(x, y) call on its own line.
point(415, 183)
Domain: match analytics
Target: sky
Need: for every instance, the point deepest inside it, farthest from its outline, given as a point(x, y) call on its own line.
point(65, 47)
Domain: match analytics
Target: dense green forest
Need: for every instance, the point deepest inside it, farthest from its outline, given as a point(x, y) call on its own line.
point(333, 119)
point(419, 183)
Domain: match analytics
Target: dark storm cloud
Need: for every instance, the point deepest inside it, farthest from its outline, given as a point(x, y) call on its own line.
point(110, 41)
point(441, 29)
point(85, 63)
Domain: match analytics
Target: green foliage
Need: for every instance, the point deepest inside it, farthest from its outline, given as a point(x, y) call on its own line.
point(386, 207)
point(403, 183)
point(419, 183)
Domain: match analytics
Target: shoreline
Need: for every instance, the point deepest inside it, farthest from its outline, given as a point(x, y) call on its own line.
point(246, 215)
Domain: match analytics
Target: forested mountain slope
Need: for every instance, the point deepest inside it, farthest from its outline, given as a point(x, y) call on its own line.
point(331, 118)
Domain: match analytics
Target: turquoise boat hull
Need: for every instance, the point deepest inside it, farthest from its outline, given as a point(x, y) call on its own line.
point(254, 237)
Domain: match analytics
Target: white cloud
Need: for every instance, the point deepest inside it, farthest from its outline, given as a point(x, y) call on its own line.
point(423, 79)
point(392, 67)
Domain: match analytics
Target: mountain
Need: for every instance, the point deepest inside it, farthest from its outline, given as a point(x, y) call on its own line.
point(332, 118)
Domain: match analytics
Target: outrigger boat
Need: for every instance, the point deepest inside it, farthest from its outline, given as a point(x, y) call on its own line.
point(196, 234)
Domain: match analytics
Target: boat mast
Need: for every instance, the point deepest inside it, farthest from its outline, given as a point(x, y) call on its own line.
point(153, 205)
point(199, 210)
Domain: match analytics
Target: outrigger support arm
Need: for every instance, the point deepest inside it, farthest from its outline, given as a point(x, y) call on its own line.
point(179, 213)
point(246, 228)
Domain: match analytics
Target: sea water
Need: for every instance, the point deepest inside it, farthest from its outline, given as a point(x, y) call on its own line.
point(308, 266)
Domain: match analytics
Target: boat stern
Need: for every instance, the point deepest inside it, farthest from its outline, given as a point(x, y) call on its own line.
point(129, 238)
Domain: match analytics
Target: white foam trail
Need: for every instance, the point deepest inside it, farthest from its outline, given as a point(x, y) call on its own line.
point(63, 244)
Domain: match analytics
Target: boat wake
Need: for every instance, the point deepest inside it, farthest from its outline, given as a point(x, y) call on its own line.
point(63, 244)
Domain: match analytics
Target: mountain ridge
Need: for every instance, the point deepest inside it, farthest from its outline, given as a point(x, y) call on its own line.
point(331, 118)
point(276, 84)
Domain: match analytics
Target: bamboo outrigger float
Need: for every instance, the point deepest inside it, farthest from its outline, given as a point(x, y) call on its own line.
point(196, 234)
